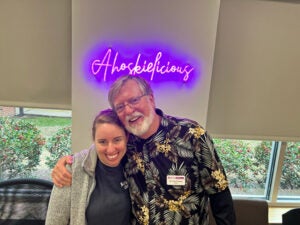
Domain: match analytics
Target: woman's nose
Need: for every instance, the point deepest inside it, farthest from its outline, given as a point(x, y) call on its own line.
point(110, 147)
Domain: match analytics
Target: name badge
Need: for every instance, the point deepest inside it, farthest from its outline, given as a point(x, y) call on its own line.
point(175, 180)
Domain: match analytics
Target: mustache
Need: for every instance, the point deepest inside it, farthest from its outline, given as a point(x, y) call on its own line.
point(135, 114)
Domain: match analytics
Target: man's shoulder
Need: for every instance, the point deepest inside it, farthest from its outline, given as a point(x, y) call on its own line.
point(182, 121)
point(177, 119)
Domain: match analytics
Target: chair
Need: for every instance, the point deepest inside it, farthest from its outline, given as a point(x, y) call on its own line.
point(248, 212)
point(24, 201)
point(291, 217)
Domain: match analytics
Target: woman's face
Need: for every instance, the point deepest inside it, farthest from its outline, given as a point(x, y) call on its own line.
point(110, 141)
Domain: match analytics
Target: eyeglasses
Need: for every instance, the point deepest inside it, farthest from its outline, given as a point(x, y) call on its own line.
point(130, 102)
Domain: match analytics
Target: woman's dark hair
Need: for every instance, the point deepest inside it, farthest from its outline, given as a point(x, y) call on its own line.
point(106, 116)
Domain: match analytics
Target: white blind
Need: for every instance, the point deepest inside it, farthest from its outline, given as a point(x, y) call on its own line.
point(256, 74)
point(35, 53)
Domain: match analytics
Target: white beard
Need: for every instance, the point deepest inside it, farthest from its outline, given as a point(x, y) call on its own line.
point(140, 129)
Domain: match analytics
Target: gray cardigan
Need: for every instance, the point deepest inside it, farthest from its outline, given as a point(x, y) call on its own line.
point(68, 204)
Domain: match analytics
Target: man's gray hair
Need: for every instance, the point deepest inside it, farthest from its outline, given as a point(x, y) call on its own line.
point(119, 83)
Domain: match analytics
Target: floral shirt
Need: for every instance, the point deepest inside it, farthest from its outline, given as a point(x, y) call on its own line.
point(171, 173)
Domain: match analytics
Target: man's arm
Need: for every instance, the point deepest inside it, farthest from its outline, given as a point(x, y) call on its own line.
point(222, 208)
point(60, 175)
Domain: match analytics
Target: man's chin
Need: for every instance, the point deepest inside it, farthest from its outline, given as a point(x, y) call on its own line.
point(135, 131)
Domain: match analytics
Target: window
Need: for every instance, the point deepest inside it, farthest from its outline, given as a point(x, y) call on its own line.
point(252, 168)
point(31, 141)
point(290, 173)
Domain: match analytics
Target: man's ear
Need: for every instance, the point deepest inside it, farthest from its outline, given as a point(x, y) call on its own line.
point(152, 99)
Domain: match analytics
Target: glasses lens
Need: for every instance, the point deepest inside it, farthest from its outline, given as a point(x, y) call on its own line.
point(131, 102)
point(134, 101)
point(119, 108)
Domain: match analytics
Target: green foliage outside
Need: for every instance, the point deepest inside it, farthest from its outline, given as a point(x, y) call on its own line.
point(22, 144)
point(58, 145)
point(291, 167)
point(20, 147)
point(47, 121)
point(247, 162)
point(238, 158)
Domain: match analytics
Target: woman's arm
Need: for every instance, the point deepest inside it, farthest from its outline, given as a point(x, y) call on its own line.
point(58, 212)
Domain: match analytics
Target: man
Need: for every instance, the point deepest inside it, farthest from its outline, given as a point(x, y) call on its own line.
point(173, 170)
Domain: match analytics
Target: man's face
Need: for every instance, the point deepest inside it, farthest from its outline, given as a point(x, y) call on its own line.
point(135, 110)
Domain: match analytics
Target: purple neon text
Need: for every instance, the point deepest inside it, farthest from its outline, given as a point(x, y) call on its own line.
point(111, 64)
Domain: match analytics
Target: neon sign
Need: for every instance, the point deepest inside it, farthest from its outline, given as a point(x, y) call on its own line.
point(154, 65)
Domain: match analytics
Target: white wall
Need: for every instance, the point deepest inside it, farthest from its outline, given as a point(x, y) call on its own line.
point(188, 26)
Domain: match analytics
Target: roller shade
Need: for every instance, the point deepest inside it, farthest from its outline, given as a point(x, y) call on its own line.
point(35, 53)
point(256, 74)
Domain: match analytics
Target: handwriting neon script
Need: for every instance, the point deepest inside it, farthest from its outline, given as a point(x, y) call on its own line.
point(138, 66)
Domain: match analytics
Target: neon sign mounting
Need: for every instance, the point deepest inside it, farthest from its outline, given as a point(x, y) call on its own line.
point(158, 64)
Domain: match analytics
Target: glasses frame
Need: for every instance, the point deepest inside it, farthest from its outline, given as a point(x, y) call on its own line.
point(132, 102)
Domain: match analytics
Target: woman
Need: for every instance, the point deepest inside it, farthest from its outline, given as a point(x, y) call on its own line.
point(99, 193)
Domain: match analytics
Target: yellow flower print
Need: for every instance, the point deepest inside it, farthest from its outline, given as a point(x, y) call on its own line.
point(177, 205)
point(137, 157)
point(144, 218)
point(197, 132)
point(220, 177)
point(165, 147)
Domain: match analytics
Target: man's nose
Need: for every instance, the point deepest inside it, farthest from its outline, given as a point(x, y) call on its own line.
point(128, 109)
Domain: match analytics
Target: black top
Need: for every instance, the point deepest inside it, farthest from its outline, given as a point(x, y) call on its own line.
point(109, 203)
